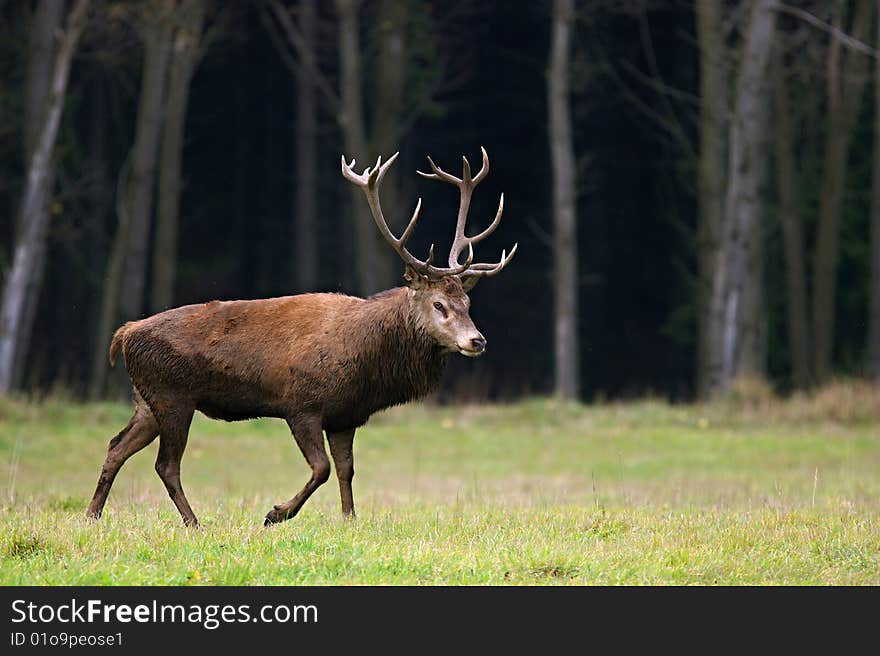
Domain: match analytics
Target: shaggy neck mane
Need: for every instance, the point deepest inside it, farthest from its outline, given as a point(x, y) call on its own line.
point(398, 361)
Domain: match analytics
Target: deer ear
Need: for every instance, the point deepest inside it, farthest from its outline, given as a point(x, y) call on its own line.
point(414, 279)
point(467, 283)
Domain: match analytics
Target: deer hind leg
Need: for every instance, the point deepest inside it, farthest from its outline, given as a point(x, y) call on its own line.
point(141, 430)
point(174, 429)
point(309, 435)
point(343, 458)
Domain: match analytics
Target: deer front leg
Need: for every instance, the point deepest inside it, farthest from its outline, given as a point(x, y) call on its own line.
point(309, 435)
point(343, 458)
point(174, 429)
point(141, 431)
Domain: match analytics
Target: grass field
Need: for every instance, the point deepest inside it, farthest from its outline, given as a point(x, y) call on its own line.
point(746, 491)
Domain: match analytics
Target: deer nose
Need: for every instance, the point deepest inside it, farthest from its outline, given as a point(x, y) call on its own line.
point(479, 344)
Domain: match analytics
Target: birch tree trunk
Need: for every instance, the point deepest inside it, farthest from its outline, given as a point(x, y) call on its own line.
point(33, 221)
point(122, 298)
point(351, 120)
point(565, 279)
point(156, 33)
point(846, 84)
point(306, 182)
point(101, 215)
point(107, 318)
point(873, 364)
point(792, 230)
point(389, 74)
point(737, 334)
point(185, 55)
point(711, 175)
point(48, 20)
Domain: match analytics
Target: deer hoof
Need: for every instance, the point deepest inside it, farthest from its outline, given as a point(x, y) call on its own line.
point(274, 516)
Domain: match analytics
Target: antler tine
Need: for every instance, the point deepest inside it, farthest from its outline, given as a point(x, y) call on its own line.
point(371, 175)
point(488, 231)
point(468, 260)
point(412, 223)
point(372, 172)
point(484, 169)
point(439, 174)
point(347, 168)
point(455, 269)
point(485, 270)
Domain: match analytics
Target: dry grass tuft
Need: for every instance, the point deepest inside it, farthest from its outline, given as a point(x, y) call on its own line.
point(844, 401)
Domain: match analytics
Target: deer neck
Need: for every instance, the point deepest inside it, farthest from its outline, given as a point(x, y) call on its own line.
point(402, 361)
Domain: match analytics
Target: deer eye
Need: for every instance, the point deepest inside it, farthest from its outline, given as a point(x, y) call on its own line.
point(439, 307)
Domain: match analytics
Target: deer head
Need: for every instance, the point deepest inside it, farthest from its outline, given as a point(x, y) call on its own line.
point(439, 294)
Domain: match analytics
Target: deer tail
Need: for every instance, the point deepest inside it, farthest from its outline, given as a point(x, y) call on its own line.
point(116, 342)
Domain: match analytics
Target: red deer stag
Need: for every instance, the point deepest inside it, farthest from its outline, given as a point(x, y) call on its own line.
point(322, 362)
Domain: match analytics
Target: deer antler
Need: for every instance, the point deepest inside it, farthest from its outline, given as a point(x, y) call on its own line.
point(370, 180)
point(466, 186)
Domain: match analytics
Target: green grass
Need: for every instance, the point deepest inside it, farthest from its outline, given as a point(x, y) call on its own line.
point(743, 492)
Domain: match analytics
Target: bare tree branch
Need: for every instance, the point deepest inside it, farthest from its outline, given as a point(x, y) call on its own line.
point(670, 126)
point(842, 37)
point(279, 42)
point(648, 46)
point(216, 30)
point(659, 86)
point(305, 55)
point(422, 102)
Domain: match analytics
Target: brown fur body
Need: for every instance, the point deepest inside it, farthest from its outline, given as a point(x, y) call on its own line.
point(339, 357)
point(322, 362)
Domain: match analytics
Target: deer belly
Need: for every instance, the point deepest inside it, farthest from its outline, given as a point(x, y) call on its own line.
point(337, 422)
point(235, 403)
point(233, 399)
point(348, 412)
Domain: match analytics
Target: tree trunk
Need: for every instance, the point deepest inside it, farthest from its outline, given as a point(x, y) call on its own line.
point(122, 298)
point(565, 279)
point(34, 216)
point(846, 84)
point(240, 238)
point(156, 33)
point(107, 320)
point(737, 335)
point(389, 75)
point(185, 54)
point(792, 230)
point(374, 264)
point(271, 197)
point(47, 21)
point(711, 175)
point(351, 120)
point(874, 303)
point(306, 182)
point(100, 215)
